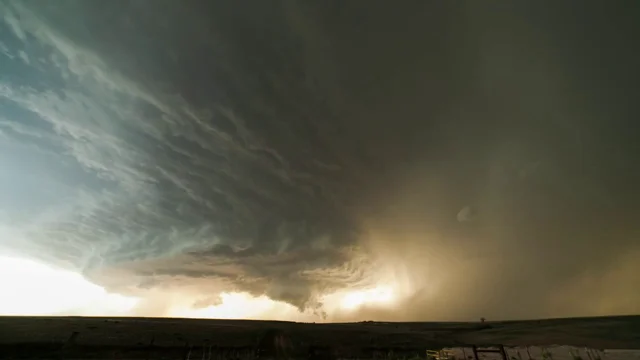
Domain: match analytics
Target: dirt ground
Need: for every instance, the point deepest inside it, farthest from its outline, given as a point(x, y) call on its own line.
point(159, 338)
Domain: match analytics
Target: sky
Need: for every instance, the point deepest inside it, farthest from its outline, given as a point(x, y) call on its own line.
point(320, 160)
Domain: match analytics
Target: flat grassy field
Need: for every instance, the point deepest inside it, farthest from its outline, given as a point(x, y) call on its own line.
point(171, 338)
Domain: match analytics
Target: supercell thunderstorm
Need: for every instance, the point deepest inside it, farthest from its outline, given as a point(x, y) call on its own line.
point(275, 150)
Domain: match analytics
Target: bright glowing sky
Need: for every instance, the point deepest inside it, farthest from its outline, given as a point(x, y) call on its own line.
point(32, 288)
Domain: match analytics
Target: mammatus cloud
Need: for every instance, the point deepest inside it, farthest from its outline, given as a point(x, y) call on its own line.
point(167, 149)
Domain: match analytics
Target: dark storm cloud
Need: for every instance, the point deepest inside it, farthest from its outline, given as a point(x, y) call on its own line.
point(200, 167)
point(288, 149)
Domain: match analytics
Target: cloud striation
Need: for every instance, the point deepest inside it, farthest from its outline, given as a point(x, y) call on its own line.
point(480, 158)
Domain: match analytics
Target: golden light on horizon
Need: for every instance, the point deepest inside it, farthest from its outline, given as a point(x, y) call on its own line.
point(240, 305)
point(32, 288)
point(380, 295)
